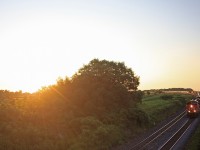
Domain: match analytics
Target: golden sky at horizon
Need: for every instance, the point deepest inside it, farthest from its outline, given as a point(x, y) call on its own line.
point(43, 40)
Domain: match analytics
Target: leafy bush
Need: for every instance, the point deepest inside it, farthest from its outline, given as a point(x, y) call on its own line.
point(101, 138)
point(167, 97)
point(181, 99)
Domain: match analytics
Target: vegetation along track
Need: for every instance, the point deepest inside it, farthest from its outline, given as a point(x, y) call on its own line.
point(147, 142)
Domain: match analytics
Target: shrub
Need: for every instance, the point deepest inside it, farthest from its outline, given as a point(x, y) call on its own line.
point(101, 138)
point(166, 97)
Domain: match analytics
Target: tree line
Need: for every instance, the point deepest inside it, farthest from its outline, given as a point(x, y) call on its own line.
point(95, 109)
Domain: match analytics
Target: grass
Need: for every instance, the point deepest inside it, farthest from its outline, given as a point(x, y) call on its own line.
point(152, 103)
point(194, 142)
point(157, 108)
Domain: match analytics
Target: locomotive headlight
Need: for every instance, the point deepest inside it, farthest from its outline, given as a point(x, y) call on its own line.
point(195, 111)
point(191, 106)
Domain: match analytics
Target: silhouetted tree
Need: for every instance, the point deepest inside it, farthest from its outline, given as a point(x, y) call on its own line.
point(115, 72)
point(103, 86)
point(148, 93)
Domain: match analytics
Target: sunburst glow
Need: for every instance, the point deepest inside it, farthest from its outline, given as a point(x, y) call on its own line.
point(42, 40)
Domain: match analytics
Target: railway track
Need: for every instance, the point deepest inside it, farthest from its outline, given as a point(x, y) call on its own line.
point(176, 136)
point(150, 140)
point(172, 134)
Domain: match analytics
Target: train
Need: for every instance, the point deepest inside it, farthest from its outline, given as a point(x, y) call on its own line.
point(193, 107)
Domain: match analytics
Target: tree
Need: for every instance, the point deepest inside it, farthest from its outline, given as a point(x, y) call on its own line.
point(148, 93)
point(115, 72)
point(103, 86)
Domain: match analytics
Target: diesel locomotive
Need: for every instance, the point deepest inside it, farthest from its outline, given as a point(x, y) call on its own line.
point(193, 108)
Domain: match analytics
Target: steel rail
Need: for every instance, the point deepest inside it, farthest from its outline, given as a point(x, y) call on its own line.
point(181, 136)
point(171, 142)
point(157, 133)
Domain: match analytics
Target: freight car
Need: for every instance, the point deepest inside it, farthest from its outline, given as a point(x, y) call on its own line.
point(198, 99)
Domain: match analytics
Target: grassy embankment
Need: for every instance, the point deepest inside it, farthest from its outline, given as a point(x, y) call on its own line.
point(194, 142)
point(160, 106)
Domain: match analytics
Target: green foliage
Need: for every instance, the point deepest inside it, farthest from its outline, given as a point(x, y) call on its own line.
point(194, 142)
point(140, 117)
point(109, 71)
point(158, 109)
point(167, 97)
point(100, 138)
point(182, 99)
point(148, 93)
point(93, 110)
point(103, 86)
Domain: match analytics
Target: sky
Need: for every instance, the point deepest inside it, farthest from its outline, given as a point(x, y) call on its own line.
point(42, 40)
